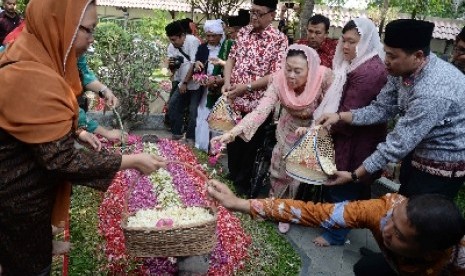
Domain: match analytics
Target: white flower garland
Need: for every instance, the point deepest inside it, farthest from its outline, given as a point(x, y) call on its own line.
point(162, 183)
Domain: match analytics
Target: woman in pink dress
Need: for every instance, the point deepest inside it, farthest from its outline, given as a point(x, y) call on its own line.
point(298, 87)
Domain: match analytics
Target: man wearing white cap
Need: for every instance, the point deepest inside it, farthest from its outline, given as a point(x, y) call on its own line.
point(214, 34)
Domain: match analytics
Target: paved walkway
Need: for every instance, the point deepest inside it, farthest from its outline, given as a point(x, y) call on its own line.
point(329, 261)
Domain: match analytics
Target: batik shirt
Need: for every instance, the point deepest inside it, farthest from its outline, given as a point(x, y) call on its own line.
point(432, 116)
point(371, 214)
point(326, 51)
point(30, 174)
point(256, 55)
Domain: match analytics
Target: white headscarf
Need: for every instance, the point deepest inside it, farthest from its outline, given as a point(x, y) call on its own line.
point(369, 46)
point(213, 26)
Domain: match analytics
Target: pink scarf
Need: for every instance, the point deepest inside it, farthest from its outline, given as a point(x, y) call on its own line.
point(288, 96)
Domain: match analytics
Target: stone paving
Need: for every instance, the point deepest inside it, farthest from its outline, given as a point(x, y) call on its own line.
point(328, 261)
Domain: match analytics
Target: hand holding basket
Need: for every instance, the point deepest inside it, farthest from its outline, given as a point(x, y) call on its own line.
point(222, 118)
point(311, 160)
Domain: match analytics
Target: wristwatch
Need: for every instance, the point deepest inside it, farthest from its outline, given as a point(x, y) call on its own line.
point(354, 176)
point(249, 87)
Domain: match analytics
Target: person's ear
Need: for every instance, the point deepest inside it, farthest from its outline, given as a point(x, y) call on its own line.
point(419, 55)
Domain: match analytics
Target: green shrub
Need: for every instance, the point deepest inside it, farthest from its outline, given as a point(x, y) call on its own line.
point(125, 61)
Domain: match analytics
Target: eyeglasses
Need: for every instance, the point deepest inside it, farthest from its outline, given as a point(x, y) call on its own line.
point(89, 31)
point(259, 14)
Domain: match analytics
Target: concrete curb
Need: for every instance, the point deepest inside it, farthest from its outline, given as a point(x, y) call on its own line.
point(149, 122)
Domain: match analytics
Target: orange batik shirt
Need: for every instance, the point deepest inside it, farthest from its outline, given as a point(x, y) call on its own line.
point(371, 214)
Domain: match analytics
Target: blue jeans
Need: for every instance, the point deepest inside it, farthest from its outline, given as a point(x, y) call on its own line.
point(333, 194)
point(177, 108)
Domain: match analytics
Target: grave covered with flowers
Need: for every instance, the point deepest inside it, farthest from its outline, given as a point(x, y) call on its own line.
point(244, 246)
point(167, 189)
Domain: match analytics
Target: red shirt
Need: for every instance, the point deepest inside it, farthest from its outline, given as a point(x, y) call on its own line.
point(256, 55)
point(326, 50)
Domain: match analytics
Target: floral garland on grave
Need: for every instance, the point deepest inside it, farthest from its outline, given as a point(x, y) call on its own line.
point(176, 186)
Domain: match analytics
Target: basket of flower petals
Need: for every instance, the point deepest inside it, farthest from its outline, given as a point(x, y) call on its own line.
point(171, 231)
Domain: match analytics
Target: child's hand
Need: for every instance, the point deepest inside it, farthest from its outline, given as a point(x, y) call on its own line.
point(90, 139)
point(301, 131)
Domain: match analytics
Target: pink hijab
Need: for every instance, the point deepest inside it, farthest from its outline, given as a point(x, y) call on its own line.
point(288, 96)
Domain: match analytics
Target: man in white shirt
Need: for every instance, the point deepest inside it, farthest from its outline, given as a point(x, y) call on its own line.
point(181, 54)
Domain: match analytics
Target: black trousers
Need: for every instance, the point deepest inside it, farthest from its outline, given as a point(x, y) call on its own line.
point(373, 264)
point(416, 182)
point(241, 157)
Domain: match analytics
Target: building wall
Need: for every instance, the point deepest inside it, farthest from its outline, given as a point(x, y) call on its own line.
point(107, 11)
point(437, 45)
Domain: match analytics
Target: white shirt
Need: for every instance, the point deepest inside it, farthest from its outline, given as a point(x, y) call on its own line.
point(213, 52)
point(190, 46)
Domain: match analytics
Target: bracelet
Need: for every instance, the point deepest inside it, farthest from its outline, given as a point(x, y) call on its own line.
point(101, 91)
point(354, 176)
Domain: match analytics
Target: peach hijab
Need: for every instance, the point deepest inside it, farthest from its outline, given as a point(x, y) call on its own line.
point(288, 96)
point(40, 81)
point(39, 78)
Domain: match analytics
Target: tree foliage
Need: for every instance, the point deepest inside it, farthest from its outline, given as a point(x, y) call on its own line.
point(21, 5)
point(420, 9)
point(216, 8)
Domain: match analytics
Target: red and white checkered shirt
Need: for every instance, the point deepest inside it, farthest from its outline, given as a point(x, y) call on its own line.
point(256, 55)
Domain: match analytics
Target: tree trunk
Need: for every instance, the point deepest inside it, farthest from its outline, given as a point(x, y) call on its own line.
point(384, 11)
point(305, 14)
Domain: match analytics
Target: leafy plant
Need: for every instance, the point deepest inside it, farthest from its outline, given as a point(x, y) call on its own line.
point(216, 8)
point(21, 5)
point(125, 61)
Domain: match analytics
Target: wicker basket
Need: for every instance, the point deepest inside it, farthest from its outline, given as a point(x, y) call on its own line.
point(189, 240)
point(186, 240)
point(222, 117)
point(311, 160)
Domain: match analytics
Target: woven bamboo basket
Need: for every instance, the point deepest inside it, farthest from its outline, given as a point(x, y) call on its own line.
point(311, 160)
point(185, 240)
point(222, 117)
